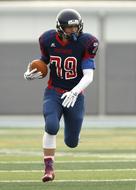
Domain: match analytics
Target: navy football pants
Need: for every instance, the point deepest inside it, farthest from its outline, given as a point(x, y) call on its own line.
point(73, 117)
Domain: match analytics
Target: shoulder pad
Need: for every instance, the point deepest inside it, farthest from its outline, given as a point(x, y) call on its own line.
point(90, 43)
point(48, 35)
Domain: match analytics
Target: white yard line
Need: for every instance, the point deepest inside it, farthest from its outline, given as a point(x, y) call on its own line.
point(80, 170)
point(62, 181)
point(19, 152)
point(66, 161)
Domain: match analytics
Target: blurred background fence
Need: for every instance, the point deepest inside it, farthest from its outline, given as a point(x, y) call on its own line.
point(113, 91)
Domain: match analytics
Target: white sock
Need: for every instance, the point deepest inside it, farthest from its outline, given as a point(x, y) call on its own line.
point(49, 141)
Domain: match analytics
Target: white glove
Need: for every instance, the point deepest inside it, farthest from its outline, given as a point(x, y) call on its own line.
point(70, 98)
point(30, 75)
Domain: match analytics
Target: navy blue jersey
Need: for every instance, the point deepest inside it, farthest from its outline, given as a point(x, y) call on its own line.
point(67, 60)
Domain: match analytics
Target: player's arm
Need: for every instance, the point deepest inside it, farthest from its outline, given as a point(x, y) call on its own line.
point(44, 51)
point(85, 81)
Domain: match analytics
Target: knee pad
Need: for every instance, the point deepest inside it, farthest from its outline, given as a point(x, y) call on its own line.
point(51, 126)
point(71, 143)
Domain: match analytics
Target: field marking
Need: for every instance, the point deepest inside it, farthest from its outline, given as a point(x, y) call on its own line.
point(66, 161)
point(80, 170)
point(62, 181)
point(19, 152)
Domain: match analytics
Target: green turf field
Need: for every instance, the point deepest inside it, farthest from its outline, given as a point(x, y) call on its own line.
point(104, 160)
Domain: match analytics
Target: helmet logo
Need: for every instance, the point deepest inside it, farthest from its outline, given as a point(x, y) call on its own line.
point(73, 22)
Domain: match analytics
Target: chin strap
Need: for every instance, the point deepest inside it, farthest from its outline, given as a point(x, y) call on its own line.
point(74, 36)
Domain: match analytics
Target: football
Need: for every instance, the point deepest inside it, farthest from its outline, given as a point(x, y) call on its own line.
point(40, 66)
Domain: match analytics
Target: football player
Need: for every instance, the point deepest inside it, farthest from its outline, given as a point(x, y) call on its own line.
point(70, 54)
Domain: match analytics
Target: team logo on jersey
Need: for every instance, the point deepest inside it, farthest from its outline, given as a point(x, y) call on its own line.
point(53, 45)
point(95, 47)
point(63, 51)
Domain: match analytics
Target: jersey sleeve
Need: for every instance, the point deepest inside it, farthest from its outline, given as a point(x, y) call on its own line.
point(44, 51)
point(91, 47)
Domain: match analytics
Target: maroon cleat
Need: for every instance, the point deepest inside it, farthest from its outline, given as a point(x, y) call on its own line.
point(49, 172)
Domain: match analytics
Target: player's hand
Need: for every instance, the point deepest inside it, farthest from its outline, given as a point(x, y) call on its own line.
point(33, 74)
point(69, 98)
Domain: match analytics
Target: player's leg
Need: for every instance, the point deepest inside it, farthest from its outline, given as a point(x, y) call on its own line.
point(73, 118)
point(52, 111)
